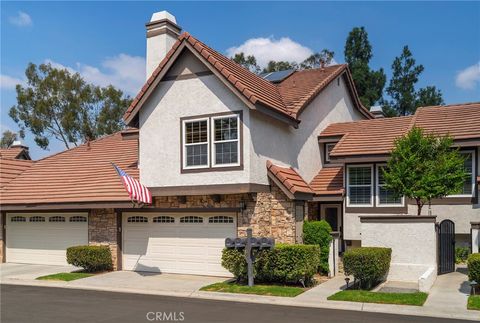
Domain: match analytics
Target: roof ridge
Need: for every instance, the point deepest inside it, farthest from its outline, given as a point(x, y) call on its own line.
point(447, 105)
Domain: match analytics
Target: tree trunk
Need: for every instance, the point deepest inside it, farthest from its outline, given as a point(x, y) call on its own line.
point(419, 206)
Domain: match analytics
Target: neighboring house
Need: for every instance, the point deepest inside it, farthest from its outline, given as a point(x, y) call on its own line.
point(15, 151)
point(220, 148)
point(354, 153)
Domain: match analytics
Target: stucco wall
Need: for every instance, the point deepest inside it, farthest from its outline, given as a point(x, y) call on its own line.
point(413, 242)
point(160, 128)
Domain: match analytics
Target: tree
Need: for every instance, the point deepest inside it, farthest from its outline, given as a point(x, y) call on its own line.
point(274, 66)
point(358, 53)
point(423, 167)
point(317, 60)
point(59, 104)
point(8, 137)
point(249, 62)
point(401, 89)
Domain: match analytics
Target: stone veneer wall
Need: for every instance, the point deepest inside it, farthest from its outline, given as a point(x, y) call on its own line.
point(102, 230)
point(268, 214)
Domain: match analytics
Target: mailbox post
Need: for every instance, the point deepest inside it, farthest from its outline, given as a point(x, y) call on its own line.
point(250, 244)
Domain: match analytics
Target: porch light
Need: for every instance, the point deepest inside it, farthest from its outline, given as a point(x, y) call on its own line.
point(473, 286)
point(347, 280)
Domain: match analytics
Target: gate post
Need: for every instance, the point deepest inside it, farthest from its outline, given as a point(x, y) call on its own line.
point(475, 236)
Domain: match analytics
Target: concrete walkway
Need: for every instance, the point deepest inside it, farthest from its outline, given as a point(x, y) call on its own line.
point(447, 299)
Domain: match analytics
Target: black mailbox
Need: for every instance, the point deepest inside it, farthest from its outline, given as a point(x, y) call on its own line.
point(229, 243)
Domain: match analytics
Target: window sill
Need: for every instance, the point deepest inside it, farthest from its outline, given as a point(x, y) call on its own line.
point(211, 169)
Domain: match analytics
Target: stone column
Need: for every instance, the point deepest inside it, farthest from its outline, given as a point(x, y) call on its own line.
point(102, 231)
point(475, 236)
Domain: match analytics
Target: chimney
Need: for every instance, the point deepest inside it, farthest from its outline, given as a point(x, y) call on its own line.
point(18, 144)
point(162, 32)
point(377, 111)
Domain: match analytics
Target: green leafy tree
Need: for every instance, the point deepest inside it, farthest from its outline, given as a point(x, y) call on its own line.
point(56, 103)
point(323, 58)
point(404, 98)
point(249, 62)
point(274, 66)
point(358, 53)
point(423, 167)
point(8, 137)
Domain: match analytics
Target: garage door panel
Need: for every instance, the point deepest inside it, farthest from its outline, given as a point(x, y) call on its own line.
point(185, 248)
point(43, 242)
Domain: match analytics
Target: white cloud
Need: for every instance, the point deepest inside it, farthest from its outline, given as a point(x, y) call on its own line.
point(122, 71)
point(22, 19)
point(267, 49)
point(8, 82)
point(468, 78)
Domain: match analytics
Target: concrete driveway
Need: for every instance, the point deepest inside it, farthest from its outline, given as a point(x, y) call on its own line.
point(12, 271)
point(150, 282)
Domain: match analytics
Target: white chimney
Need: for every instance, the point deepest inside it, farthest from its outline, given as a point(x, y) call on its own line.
point(162, 32)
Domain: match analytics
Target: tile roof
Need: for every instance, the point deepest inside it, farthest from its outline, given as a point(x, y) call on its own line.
point(11, 168)
point(377, 136)
point(287, 98)
point(289, 178)
point(329, 181)
point(13, 152)
point(81, 174)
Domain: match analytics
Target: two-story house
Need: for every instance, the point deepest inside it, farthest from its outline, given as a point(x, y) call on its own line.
point(220, 148)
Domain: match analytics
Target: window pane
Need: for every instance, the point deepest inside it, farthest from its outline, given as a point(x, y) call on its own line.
point(386, 196)
point(226, 129)
point(196, 132)
point(226, 153)
point(197, 155)
point(360, 176)
point(360, 195)
point(468, 166)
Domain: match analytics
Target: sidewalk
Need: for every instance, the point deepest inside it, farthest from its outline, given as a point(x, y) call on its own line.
point(444, 301)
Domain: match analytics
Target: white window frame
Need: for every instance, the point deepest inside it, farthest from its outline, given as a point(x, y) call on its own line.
point(377, 190)
point(474, 175)
point(214, 152)
point(327, 154)
point(185, 145)
point(371, 185)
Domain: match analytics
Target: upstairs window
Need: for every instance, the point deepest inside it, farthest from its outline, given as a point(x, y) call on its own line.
point(195, 140)
point(385, 197)
point(226, 141)
point(359, 185)
point(469, 185)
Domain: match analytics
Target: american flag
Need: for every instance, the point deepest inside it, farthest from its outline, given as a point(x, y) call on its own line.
point(137, 192)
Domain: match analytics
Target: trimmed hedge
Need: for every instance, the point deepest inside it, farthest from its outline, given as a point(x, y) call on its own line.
point(368, 265)
point(90, 258)
point(319, 233)
point(473, 264)
point(286, 264)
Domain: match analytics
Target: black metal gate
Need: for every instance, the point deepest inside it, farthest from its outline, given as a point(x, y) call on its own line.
point(446, 247)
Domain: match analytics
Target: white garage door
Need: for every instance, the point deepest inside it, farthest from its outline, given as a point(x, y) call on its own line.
point(42, 238)
point(176, 243)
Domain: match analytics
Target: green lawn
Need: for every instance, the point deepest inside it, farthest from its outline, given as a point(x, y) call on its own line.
point(474, 302)
point(270, 290)
point(382, 298)
point(65, 276)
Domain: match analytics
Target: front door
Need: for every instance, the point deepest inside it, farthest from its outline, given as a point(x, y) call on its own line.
point(332, 214)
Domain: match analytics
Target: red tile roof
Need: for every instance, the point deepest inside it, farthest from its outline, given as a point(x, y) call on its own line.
point(11, 168)
point(377, 136)
point(329, 181)
point(289, 178)
point(11, 153)
point(287, 98)
point(81, 174)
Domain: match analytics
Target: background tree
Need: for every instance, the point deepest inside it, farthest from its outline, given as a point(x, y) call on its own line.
point(8, 137)
point(249, 62)
point(358, 53)
point(274, 66)
point(60, 104)
point(323, 58)
point(404, 98)
point(423, 167)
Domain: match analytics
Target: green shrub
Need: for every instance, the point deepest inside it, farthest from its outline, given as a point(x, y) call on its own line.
point(368, 265)
point(461, 254)
point(473, 263)
point(284, 264)
point(90, 258)
point(319, 233)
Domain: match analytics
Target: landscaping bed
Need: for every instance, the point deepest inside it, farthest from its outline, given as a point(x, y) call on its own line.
point(364, 296)
point(65, 276)
point(267, 290)
point(474, 302)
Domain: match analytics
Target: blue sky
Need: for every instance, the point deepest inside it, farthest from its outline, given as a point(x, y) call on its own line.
point(105, 41)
